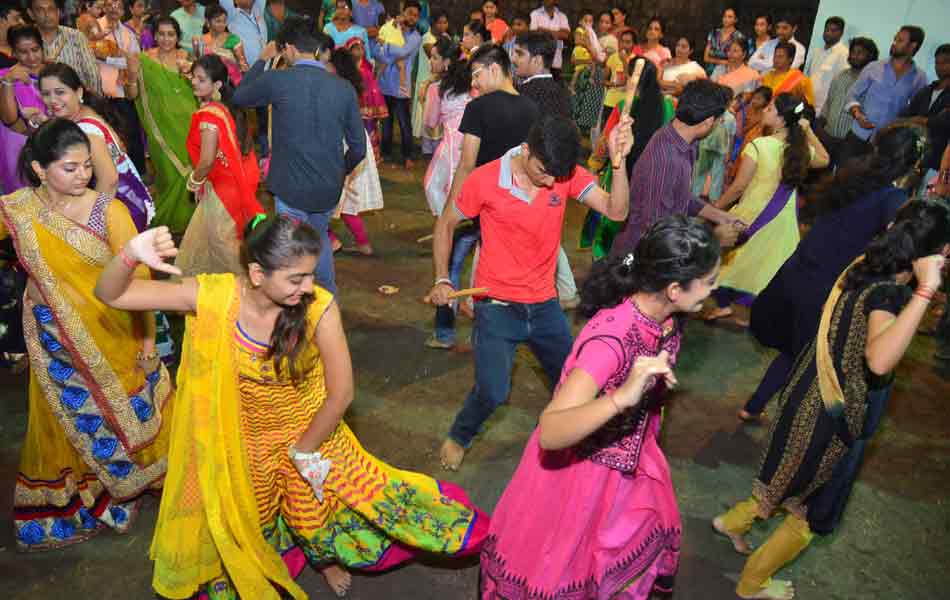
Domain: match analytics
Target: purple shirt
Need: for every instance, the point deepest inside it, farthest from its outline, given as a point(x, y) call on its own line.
point(367, 15)
point(659, 187)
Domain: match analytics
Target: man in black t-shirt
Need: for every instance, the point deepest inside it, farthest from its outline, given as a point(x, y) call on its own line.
point(494, 123)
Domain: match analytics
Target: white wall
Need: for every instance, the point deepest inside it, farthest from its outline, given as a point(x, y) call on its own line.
point(880, 20)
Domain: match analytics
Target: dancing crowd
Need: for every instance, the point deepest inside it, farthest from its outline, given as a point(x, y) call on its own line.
point(804, 187)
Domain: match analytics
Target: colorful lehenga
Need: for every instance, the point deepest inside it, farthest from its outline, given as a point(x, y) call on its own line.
point(445, 114)
point(236, 517)
point(165, 105)
point(226, 201)
point(372, 104)
point(27, 96)
point(96, 438)
point(598, 520)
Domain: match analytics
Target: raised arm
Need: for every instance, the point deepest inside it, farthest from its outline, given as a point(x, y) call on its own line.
point(889, 336)
point(118, 288)
point(256, 84)
point(388, 54)
point(615, 205)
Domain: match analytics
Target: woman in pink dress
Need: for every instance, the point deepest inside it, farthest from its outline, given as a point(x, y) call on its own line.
point(19, 100)
point(590, 512)
point(372, 104)
point(446, 100)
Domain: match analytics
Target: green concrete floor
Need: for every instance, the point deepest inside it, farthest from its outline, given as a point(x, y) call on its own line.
point(891, 545)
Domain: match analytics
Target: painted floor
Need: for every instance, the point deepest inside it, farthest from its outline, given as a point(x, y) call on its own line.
point(892, 544)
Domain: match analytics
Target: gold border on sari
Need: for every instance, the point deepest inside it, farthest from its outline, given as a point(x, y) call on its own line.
point(21, 213)
point(159, 138)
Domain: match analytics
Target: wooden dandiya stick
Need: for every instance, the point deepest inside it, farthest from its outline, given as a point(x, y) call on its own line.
point(632, 84)
point(425, 239)
point(461, 294)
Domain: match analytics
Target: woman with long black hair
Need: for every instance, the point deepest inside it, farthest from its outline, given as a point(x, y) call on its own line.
point(651, 110)
point(764, 190)
point(852, 205)
point(836, 393)
point(224, 174)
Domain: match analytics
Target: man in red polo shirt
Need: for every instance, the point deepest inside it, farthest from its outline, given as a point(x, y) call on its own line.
point(521, 199)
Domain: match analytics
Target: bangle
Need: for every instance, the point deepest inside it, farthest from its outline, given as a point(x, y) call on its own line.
point(925, 292)
point(143, 357)
point(610, 397)
point(7, 82)
point(128, 261)
point(192, 184)
point(446, 281)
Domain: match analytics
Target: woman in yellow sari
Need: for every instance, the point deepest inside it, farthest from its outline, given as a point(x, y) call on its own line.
point(261, 466)
point(95, 439)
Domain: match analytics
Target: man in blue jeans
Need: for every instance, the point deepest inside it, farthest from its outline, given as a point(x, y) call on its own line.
point(313, 113)
point(521, 198)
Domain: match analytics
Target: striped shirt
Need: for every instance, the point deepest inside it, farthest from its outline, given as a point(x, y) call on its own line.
point(69, 46)
point(659, 187)
point(839, 120)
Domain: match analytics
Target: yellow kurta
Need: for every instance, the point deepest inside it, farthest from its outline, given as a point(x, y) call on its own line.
point(751, 266)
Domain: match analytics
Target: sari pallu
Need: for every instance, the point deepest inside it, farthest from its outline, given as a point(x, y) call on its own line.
point(821, 408)
point(94, 440)
point(226, 201)
point(27, 96)
point(165, 105)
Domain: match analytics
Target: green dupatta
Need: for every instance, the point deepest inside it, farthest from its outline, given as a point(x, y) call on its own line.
point(165, 105)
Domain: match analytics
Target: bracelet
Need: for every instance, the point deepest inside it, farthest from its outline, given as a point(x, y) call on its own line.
point(925, 293)
point(192, 184)
point(128, 261)
point(446, 281)
point(7, 82)
point(610, 397)
point(146, 357)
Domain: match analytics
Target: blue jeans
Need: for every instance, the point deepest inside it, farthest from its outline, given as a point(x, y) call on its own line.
point(321, 222)
point(463, 241)
point(499, 328)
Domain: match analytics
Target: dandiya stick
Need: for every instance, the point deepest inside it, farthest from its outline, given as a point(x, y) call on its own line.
point(425, 239)
point(461, 294)
point(632, 84)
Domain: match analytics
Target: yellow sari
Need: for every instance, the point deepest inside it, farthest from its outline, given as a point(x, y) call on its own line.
point(95, 439)
point(236, 519)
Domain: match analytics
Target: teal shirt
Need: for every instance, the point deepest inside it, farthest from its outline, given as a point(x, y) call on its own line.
point(191, 25)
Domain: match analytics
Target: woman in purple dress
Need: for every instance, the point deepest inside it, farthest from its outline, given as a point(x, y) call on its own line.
point(19, 100)
point(590, 511)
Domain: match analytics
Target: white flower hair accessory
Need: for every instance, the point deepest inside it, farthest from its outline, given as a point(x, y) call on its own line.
point(800, 108)
point(628, 260)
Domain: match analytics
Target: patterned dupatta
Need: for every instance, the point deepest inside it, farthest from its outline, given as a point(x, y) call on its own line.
point(234, 176)
point(208, 523)
point(83, 353)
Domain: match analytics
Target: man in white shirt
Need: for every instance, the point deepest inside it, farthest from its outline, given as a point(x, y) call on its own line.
point(785, 28)
point(826, 62)
point(549, 18)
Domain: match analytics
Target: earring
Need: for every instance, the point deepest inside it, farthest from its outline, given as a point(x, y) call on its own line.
point(216, 96)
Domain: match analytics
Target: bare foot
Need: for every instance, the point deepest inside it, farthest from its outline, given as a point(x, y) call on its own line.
point(748, 417)
point(410, 165)
point(451, 455)
point(338, 578)
point(336, 244)
point(718, 313)
point(738, 542)
point(365, 249)
point(777, 589)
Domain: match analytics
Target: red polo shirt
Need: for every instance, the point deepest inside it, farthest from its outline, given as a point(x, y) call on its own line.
point(520, 237)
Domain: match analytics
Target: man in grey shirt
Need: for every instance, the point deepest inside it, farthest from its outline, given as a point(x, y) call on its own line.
point(313, 113)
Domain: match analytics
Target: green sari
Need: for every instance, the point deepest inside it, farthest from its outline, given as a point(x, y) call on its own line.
point(165, 105)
